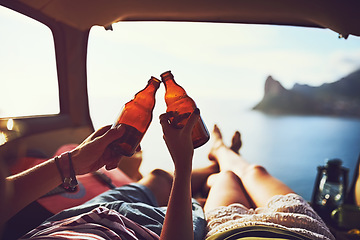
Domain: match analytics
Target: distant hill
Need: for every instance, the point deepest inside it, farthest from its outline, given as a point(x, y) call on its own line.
point(340, 98)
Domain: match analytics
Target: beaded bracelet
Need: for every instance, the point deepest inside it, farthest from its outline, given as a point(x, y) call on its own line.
point(66, 170)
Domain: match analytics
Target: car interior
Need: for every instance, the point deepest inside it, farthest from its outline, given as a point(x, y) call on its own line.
point(28, 139)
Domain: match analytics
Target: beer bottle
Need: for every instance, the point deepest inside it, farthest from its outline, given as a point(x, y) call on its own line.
point(135, 117)
point(181, 105)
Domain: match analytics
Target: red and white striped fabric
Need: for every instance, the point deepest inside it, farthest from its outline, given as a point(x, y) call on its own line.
point(99, 224)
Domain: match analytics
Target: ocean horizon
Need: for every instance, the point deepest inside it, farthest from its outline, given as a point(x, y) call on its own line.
point(290, 147)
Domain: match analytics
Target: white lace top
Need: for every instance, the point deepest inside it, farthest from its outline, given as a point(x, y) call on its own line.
point(290, 212)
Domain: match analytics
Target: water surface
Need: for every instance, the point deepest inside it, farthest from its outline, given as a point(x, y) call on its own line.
point(290, 147)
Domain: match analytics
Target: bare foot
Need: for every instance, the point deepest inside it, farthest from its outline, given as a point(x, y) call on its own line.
point(227, 158)
point(236, 142)
point(217, 143)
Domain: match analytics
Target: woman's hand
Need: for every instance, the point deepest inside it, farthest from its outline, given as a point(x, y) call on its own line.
point(178, 218)
point(179, 141)
point(93, 153)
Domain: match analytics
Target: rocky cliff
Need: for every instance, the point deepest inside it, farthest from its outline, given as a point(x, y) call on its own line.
point(340, 98)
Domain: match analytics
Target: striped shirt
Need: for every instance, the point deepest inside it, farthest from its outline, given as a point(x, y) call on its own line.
point(99, 224)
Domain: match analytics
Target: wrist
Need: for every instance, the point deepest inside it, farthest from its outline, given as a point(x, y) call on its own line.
point(66, 171)
point(74, 159)
point(182, 172)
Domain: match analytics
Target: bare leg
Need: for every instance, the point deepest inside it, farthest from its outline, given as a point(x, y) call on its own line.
point(258, 183)
point(357, 187)
point(227, 159)
point(227, 189)
point(160, 182)
point(261, 186)
point(130, 166)
point(199, 178)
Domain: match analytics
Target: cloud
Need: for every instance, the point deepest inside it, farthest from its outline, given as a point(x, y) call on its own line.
point(345, 60)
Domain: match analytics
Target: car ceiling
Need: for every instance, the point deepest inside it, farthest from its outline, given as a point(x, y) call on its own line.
point(340, 16)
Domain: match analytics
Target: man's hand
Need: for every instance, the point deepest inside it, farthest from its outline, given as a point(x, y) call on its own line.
point(93, 153)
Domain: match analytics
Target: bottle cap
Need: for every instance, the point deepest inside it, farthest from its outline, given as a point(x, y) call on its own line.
point(155, 81)
point(164, 76)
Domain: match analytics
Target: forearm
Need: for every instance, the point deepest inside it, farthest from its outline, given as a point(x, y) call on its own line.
point(31, 184)
point(178, 222)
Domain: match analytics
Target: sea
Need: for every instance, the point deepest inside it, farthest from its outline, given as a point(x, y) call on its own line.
point(290, 147)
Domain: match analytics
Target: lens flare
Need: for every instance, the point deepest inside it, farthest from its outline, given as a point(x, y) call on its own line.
point(10, 124)
point(3, 138)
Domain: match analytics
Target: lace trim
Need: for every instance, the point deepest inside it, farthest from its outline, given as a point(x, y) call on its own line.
point(289, 212)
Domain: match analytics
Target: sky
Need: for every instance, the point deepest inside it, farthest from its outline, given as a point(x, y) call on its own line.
point(229, 61)
point(228, 57)
point(211, 61)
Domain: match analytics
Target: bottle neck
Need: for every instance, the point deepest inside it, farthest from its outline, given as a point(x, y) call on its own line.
point(152, 85)
point(146, 97)
point(174, 93)
point(171, 86)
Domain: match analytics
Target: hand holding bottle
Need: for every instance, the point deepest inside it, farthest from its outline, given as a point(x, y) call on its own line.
point(181, 106)
point(135, 118)
point(93, 153)
point(136, 115)
point(179, 140)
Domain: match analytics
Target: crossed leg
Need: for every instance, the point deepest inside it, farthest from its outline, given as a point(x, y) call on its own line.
point(238, 180)
point(160, 182)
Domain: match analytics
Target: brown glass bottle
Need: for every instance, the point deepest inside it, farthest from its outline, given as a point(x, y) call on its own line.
point(135, 117)
point(182, 106)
